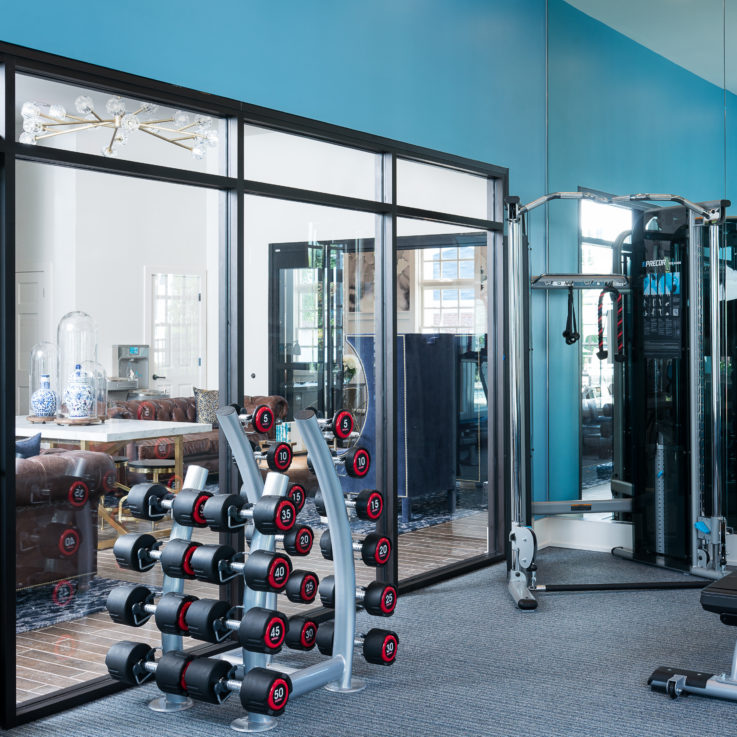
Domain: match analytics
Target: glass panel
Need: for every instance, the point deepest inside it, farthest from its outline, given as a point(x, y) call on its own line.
point(444, 190)
point(442, 412)
point(296, 161)
point(95, 122)
point(78, 251)
point(297, 256)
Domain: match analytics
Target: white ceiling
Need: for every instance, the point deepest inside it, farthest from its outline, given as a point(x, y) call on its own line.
point(689, 33)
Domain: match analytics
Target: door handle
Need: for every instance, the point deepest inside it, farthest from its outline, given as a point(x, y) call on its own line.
point(156, 376)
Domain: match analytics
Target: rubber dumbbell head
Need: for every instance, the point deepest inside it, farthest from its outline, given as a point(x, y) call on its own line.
point(131, 551)
point(298, 541)
point(186, 507)
point(206, 618)
point(265, 691)
point(380, 599)
point(369, 504)
point(144, 501)
point(263, 419)
point(302, 633)
point(302, 587)
point(171, 613)
point(210, 563)
point(279, 457)
point(125, 605)
point(357, 462)
point(57, 540)
point(205, 679)
point(273, 514)
point(342, 424)
point(221, 512)
point(265, 571)
point(380, 646)
point(376, 549)
point(176, 558)
point(262, 630)
point(125, 661)
point(171, 672)
point(297, 494)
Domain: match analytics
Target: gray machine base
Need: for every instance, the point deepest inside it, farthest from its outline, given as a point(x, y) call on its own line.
point(520, 592)
point(679, 681)
point(163, 704)
point(357, 684)
point(254, 723)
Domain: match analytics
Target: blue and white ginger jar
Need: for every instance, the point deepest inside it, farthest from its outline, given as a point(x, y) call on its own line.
point(79, 396)
point(43, 400)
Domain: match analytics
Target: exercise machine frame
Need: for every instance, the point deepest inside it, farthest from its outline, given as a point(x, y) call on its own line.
point(708, 543)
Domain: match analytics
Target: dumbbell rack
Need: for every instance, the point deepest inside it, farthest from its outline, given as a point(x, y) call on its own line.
point(195, 478)
point(334, 673)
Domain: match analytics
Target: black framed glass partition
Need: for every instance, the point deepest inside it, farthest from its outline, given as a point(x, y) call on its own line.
point(226, 251)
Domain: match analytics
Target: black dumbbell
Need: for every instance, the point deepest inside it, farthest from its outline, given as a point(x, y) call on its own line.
point(378, 599)
point(339, 427)
point(302, 633)
point(140, 553)
point(356, 460)
point(54, 540)
point(368, 504)
point(375, 549)
point(298, 496)
point(298, 541)
point(262, 570)
point(153, 501)
point(271, 514)
point(379, 646)
point(211, 680)
point(278, 457)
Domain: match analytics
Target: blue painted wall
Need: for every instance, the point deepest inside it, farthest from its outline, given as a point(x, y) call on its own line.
point(436, 73)
point(621, 119)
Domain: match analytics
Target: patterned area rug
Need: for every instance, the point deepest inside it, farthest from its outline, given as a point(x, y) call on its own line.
point(44, 606)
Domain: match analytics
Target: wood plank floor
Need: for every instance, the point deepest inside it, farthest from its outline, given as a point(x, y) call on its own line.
point(69, 653)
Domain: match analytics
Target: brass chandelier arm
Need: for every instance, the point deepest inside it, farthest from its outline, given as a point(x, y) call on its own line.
point(70, 130)
point(164, 138)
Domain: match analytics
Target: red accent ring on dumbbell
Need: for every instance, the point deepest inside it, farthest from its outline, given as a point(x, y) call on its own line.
point(309, 596)
point(285, 450)
point(183, 681)
point(278, 694)
point(386, 593)
point(68, 542)
point(343, 418)
point(197, 515)
point(369, 506)
point(358, 469)
point(78, 493)
point(308, 633)
point(263, 419)
point(285, 505)
point(181, 619)
point(186, 565)
point(62, 593)
point(297, 495)
point(389, 649)
point(304, 548)
point(274, 582)
point(275, 622)
point(383, 542)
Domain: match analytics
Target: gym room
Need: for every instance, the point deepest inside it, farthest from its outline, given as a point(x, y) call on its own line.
point(367, 368)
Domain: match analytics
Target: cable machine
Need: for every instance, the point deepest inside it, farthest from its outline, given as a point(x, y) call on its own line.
point(669, 403)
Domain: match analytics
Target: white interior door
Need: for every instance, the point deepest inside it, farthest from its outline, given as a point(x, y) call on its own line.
point(176, 325)
point(31, 308)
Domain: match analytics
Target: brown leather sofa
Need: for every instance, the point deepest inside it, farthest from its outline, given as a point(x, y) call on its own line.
point(199, 448)
point(57, 496)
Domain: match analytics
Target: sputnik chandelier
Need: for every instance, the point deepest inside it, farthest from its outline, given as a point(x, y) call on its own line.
point(191, 131)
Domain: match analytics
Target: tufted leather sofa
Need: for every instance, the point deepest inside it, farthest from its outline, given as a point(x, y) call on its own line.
point(199, 448)
point(57, 495)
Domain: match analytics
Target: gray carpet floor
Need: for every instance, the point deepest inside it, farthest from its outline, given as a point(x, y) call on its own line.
point(471, 665)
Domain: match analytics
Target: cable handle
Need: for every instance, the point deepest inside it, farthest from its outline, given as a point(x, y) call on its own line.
point(616, 295)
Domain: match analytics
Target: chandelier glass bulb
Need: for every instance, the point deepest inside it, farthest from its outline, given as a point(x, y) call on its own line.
point(115, 106)
point(27, 138)
point(58, 112)
point(30, 110)
point(181, 119)
point(32, 125)
point(84, 105)
point(130, 122)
